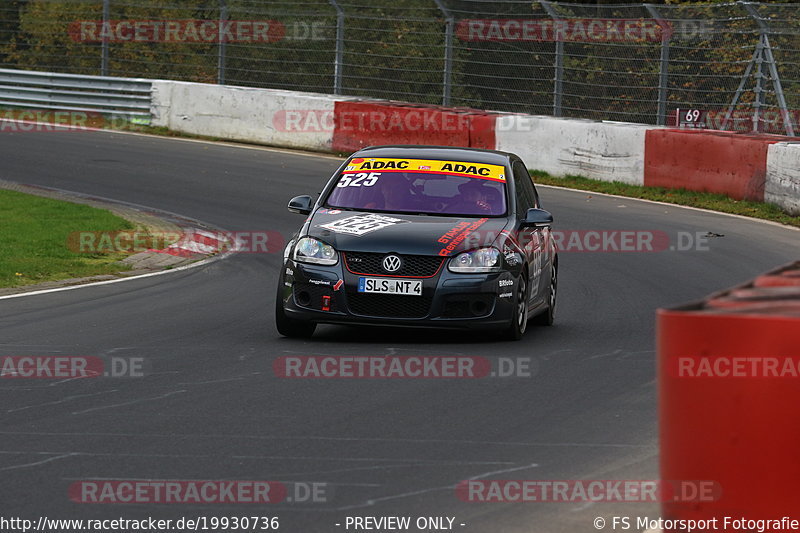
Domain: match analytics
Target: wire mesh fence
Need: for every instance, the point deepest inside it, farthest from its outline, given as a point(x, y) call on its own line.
point(728, 65)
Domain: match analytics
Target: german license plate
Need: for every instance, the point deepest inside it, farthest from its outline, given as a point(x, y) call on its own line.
point(408, 287)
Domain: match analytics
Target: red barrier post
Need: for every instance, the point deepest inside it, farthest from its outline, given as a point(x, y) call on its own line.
point(729, 401)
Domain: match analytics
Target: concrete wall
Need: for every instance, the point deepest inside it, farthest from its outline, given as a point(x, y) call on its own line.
point(608, 151)
point(266, 116)
point(783, 176)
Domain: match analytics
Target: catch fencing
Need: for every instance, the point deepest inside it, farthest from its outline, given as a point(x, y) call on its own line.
point(733, 66)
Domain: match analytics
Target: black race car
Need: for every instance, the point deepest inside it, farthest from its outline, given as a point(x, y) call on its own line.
point(421, 236)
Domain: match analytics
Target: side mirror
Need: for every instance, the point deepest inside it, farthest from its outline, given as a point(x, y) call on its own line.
point(537, 218)
point(301, 204)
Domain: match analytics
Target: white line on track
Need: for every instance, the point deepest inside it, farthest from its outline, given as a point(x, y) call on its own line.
point(120, 280)
point(132, 402)
point(37, 463)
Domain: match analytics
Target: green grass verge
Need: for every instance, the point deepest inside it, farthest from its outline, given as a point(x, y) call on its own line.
point(704, 200)
point(34, 232)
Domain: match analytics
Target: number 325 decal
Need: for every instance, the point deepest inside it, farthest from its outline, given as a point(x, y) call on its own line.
point(360, 179)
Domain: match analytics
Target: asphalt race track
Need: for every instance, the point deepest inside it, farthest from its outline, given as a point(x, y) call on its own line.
point(211, 408)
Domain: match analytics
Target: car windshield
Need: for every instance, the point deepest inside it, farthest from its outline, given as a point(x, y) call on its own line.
point(420, 186)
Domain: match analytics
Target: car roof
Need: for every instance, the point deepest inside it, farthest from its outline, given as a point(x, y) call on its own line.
point(445, 153)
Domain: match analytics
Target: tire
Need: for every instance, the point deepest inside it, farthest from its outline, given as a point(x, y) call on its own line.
point(289, 327)
point(519, 320)
point(547, 317)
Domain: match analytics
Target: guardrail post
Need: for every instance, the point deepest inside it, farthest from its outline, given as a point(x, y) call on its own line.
point(663, 68)
point(740, 89)
point(558, 80)
point(104, 45)
point(448, 52)
point(776, 83)
point(222, 51)
point(338, 64)
point(758, 101)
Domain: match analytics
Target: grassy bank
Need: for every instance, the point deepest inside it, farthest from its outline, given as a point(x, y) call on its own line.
point(33, 237)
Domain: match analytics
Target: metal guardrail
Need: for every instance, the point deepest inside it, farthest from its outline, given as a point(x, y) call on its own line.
point(128, 97)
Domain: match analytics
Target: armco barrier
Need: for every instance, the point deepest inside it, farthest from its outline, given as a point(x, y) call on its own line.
point(729, 400)
point(368, 123)
point(708, 161)
point(121, 97)
point(267, 116)
point(783, 176)
point(608, 151)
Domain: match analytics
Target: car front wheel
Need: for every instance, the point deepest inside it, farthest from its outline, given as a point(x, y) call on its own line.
point(519, 319)
point(547, 317)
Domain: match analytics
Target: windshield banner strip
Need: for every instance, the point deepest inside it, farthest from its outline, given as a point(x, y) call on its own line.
point(455, 168)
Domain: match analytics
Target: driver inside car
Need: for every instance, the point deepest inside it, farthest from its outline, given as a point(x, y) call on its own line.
point(395, 194)
point(473, 196)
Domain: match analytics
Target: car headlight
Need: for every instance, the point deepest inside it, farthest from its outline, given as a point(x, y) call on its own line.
point(480, 260)
point(310, 250)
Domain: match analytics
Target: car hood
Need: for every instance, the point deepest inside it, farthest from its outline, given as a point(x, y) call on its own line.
point(359, 231)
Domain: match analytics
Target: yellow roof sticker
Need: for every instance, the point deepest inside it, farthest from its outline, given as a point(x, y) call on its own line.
point(455, 168)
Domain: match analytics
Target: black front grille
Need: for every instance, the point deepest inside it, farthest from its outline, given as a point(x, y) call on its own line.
point(389, 305)
point(416, 266)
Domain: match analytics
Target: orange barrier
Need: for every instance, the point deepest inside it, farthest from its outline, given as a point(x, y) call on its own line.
point(710, 161)
point(359, 124)
point(729, 401)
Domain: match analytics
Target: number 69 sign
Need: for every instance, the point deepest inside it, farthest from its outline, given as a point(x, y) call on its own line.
point(691, 118)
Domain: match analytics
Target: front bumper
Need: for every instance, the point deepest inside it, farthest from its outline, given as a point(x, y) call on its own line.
point(329, 295)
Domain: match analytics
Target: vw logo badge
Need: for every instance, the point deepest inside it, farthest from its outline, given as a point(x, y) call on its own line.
point(392, 263)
